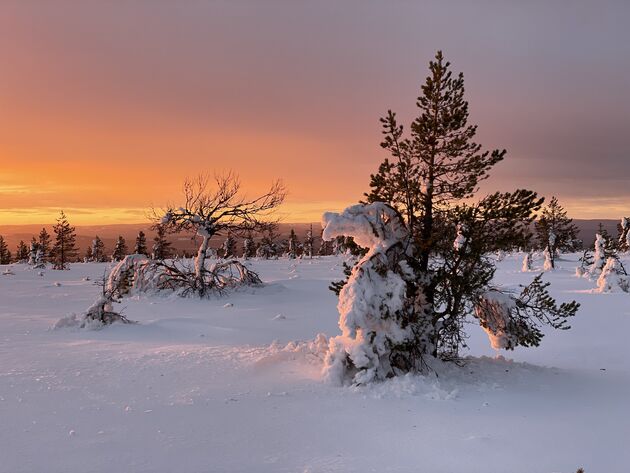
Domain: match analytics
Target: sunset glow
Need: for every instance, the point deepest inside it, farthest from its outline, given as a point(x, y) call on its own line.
point(104, 122)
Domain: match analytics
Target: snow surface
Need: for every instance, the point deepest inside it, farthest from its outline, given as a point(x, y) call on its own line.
point(226, 385)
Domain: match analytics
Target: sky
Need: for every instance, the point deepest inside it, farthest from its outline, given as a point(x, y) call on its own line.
point(106, 106)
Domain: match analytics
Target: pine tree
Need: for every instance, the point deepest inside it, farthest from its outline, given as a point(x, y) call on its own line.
point(64, 249)
point(555, 231)
point(89, 256)
point(45, 244)
point(36, 255)
point(161, 246)
point(141, 244)
point(21, 256)
point(292, 245)
point(229, 247)
point(430, 181)
point(120, 250)
point(268, 247)
point(98, 250)
point(623, 238)
point(249, 247)
point(308, 243)
point(5, 254)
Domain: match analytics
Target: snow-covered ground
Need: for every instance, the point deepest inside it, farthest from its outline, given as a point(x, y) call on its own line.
point(218, 386)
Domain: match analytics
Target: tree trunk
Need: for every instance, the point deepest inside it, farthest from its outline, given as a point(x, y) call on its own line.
point(200, 260)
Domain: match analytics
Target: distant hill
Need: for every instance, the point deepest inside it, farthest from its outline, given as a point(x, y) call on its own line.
point(188, 244)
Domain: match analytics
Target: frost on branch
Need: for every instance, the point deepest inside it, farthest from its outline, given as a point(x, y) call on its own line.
point(511, 320)
point(379, 337)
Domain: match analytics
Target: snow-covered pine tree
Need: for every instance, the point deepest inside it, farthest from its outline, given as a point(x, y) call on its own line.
point(140, 248)
point(36, 255)
point(555, 231)
point(45, 244)
point(21, 255)
point(604, 249)
point(308, 243)
point(292, 245)
point(228, 249)
point(433, 175)
point(120, 249)
point(5, 254)
point(64, 249)
point(249, 247)
point(161, 246)
point(382, 310)
point(613, 277)
point(623, 240)
point(98, 250)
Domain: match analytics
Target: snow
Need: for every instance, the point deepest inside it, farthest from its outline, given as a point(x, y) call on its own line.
point(197, 387)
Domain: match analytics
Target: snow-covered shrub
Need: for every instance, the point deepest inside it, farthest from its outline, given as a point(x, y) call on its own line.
point(377, 340)
point(613, 277)
point(600, 257)
point(133, 273)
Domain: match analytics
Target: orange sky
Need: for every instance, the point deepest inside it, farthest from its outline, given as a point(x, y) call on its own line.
point(105, 107)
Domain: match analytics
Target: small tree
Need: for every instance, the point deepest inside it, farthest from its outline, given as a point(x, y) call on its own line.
point(161, 246)
point(36, 255)
point(268, 247)
point(98, 250)
point(140, 247)
point(45, 243)
point(623, 240)
point(308, 243)
point(5, 254)
point(229, 247)
point(88, 254)
point(556, 232)
point(120, 249)
point(214, 211)
point(249, 247)
point(292, 245)
point(64, 249)
point(21, 255)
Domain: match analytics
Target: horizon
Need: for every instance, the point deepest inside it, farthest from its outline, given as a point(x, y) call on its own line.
point(199, 92)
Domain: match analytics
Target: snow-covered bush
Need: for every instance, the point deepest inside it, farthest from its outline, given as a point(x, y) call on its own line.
point(378, 339)
point(600, 256)
point(134, 273)
point(613, 277)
